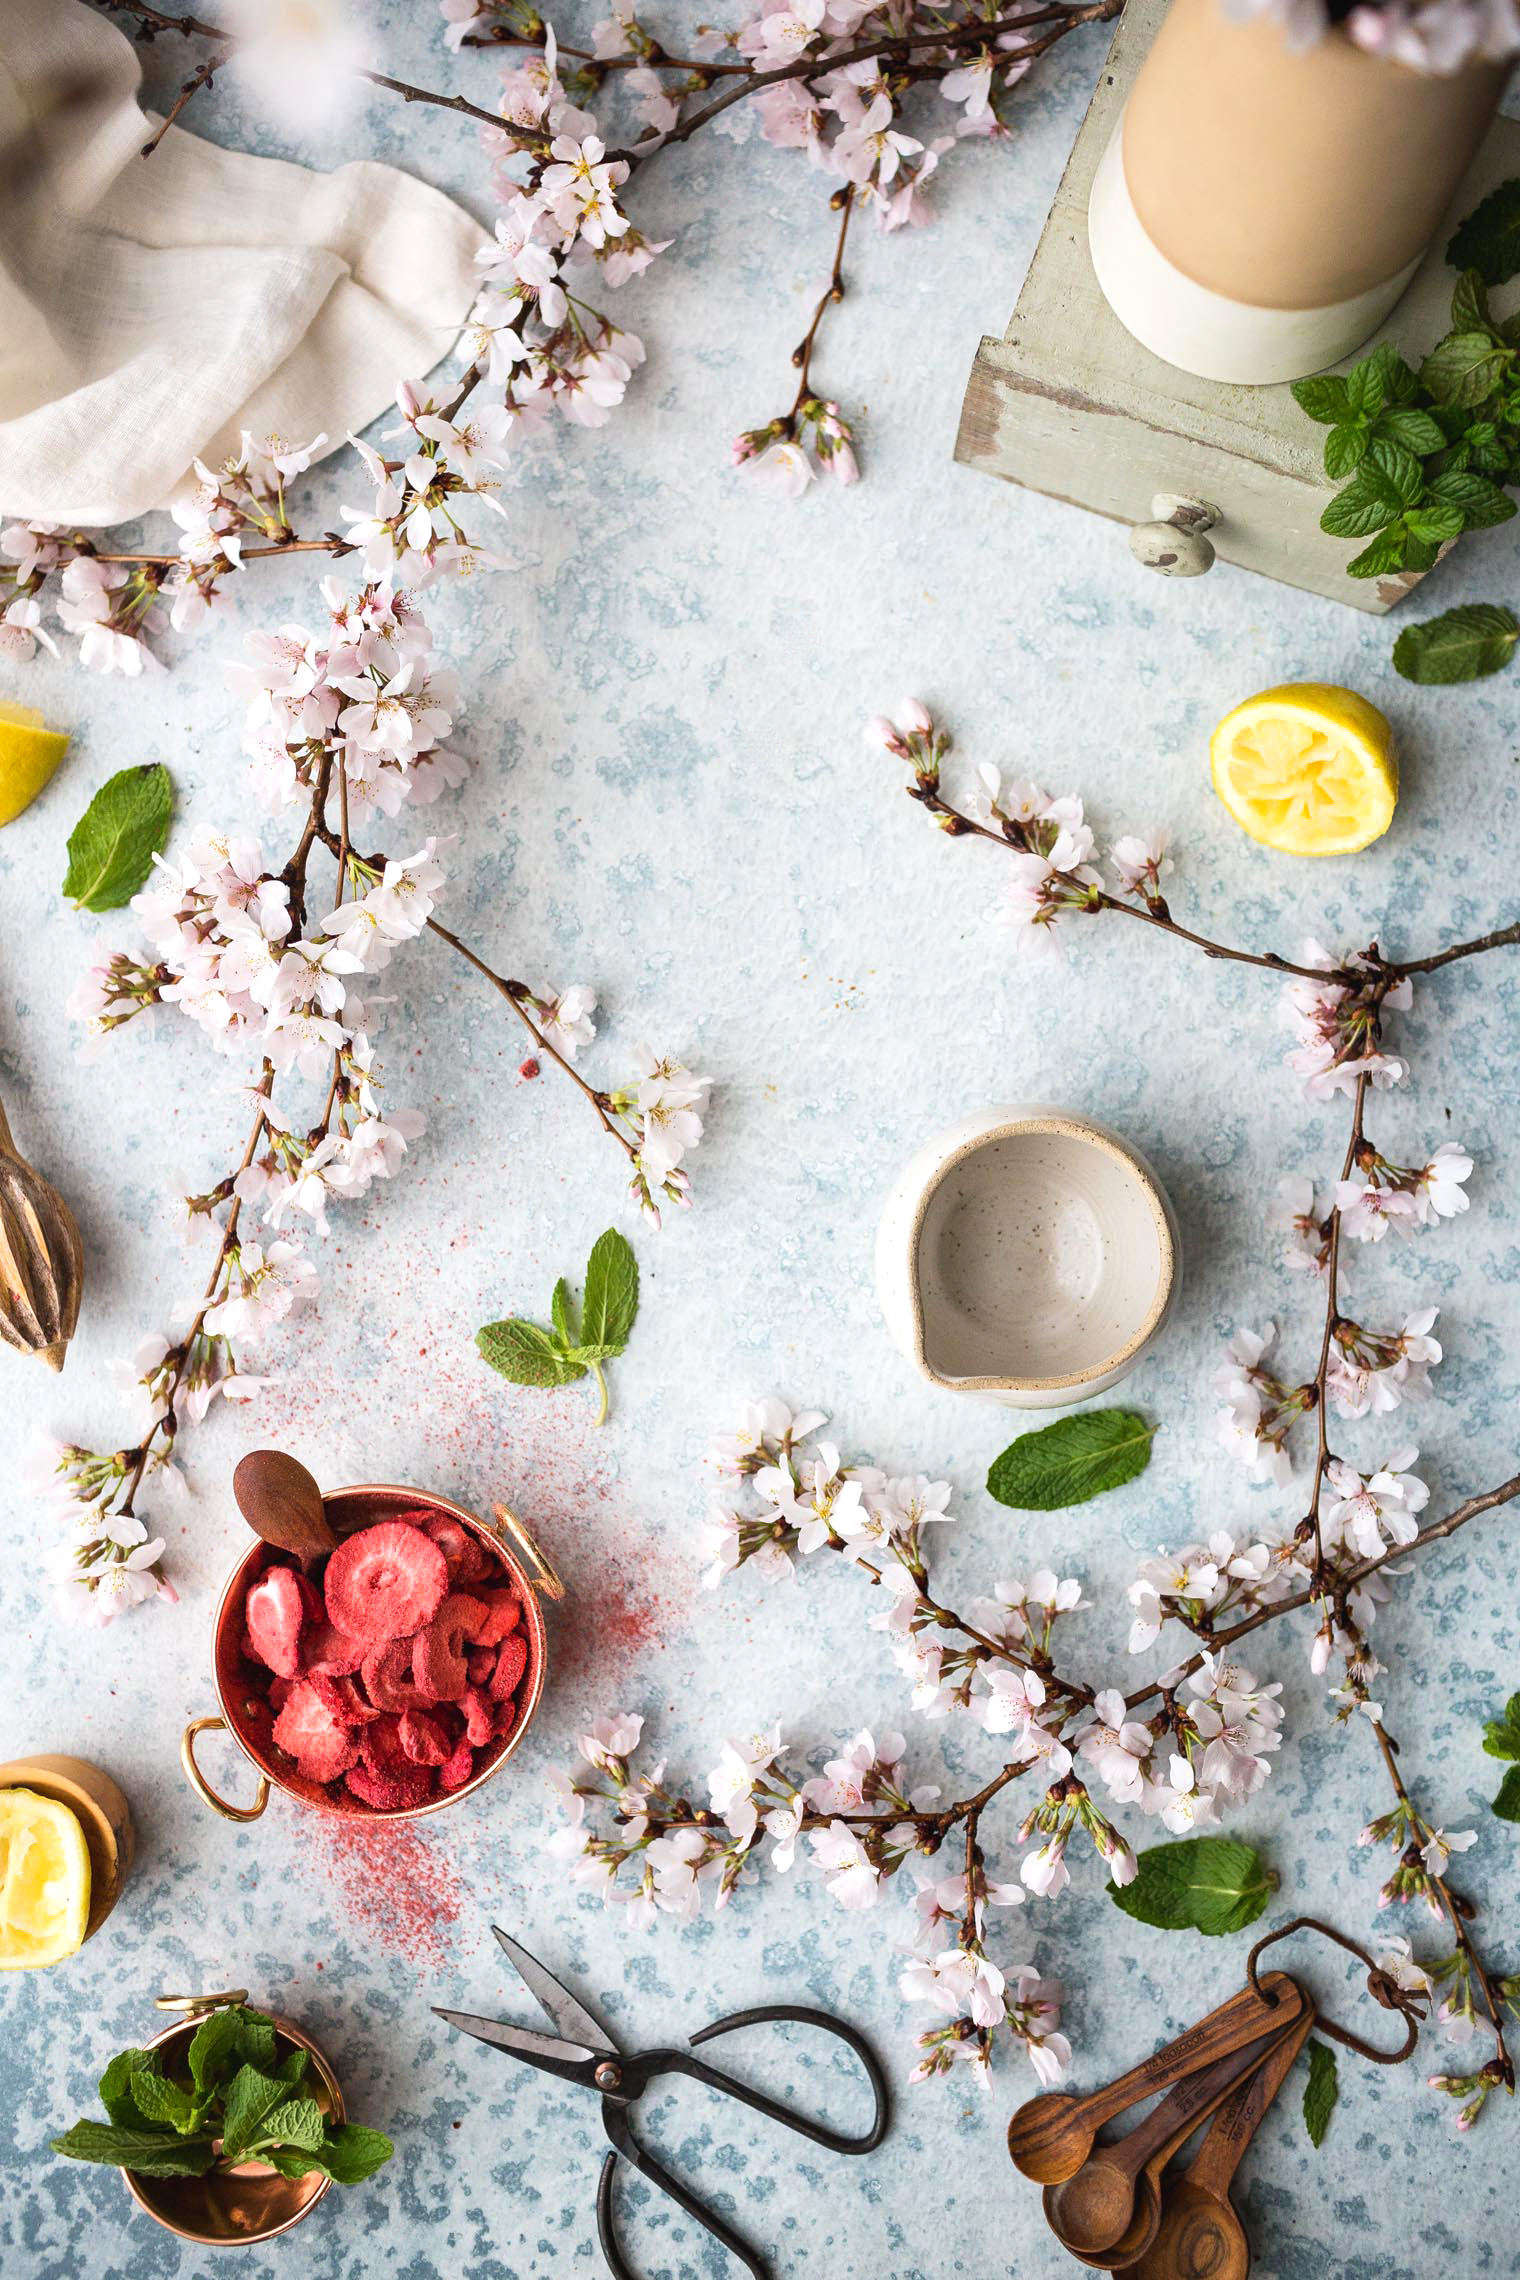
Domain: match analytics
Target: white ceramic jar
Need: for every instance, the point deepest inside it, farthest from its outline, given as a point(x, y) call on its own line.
point(1028, 1255)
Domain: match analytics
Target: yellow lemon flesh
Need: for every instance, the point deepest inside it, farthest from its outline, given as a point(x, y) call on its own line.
point(28, 755)
point(44, 1881)
point(1307, 768)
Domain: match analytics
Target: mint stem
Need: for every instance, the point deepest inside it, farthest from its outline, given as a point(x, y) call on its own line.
point(596, 1371)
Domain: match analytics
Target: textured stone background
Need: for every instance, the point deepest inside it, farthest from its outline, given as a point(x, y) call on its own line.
point(674, 804)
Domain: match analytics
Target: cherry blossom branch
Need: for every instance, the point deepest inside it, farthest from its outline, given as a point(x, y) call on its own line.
point(952, 39)
point(843, 203)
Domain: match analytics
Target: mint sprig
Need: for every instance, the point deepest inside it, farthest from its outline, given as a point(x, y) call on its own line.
point(242, 2101)
point(530, 1355)
point(1211, 1885)
point(1423, 456)
point(112, 846)
point(1078, 1457)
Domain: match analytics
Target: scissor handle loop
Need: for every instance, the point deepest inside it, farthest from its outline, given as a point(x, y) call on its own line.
point(627, 2145)
point(1408, 2002)
point(768, 2013)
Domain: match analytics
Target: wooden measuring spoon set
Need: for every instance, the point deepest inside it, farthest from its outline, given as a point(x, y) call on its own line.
point(1115, 2206)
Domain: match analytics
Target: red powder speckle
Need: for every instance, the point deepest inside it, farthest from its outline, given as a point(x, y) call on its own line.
point(393, 1883)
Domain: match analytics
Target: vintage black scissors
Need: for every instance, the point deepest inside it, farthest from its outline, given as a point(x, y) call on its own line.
point(582, 2051)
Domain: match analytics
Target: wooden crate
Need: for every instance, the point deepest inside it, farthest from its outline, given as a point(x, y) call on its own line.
point(1069, 403)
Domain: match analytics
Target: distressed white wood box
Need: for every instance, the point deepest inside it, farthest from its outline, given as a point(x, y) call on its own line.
point(1069, 403)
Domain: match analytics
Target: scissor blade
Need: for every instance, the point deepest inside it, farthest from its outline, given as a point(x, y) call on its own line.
point(544, 2051)
point(558, 2005)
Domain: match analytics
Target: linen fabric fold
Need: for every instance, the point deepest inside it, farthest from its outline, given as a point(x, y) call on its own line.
point(152, 308)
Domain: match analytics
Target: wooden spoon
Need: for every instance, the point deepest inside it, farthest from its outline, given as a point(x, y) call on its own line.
point(1109, 2213)
point(1201, 2236)
point(1051, 2136)
point(282, 1503)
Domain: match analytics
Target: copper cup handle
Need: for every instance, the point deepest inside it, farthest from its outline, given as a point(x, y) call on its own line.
point(202, 1786)
point(542, 1573)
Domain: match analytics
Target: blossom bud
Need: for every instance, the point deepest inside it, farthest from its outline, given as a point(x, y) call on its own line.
point(882, 731)
point(917, 717)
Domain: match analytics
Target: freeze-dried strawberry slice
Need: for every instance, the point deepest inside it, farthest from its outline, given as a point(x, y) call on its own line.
point(388, 1678)
point(439, 1662)
point(279, 1691)
point(325, 1648)
point(313, 1606)
point(341, 1698)
point(510, 1665)
point(506, 1717)
point(308, 1731)
point(390, 1792)
point(385, 1582)
point(456, 1771)
point(423, 1739)
point(479, 1725)
point(467, 1561)
point(480, 1662)
point(274, 1615)
point(503, 1614)
point(380, 1747)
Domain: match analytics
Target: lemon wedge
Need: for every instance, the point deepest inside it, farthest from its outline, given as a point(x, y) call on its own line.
point(28, 755)
point(1307, 768)
point(44, 1881)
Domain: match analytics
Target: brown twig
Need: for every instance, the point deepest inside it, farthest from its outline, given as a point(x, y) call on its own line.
point(842, 202)
point(202, 76)
point(1456, 1911)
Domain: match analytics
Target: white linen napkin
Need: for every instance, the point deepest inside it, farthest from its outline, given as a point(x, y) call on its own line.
point(151, 308)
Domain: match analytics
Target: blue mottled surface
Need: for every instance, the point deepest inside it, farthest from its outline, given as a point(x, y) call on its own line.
point(674, 805)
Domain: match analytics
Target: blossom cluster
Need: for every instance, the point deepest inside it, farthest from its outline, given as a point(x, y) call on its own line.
point(1434, 36)
point(859, 1821)
point(103, 1561)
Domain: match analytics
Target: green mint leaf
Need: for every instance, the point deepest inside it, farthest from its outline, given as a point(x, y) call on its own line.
point(1398, 381)
point(292, 2068)
point(1507, 1803)
point(1482, 503)
point(1066, 1463)
point(161, 2101)
point(1464, 644)
point(1437, 522)
point(1501, 1736)
point(1392, 550)
point(1464, 368)
point(1365, 388)
point(561, 1314)
point(1419, 554)
point(1368, 502)
point(1417, 431)
point(215, 2048)
point(1204, 1884)
point(1470, 311)
point(527, 1355)
point(256, 2039)
point(1345, 449)
point(150, 2153)
point(112, 846)
point(590, 1354)
point(1489, 239)
point(350, 2153)
point(1320, 2091)
point(116, 2087)
point(298, 2123)
point(1325, 398)
point(251, 2095)
point(611, 1298)
point(1400, 466)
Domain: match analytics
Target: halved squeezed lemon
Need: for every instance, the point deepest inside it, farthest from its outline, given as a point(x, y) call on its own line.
point(1307, 768)
point(44, 1881)
point(29, 752)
